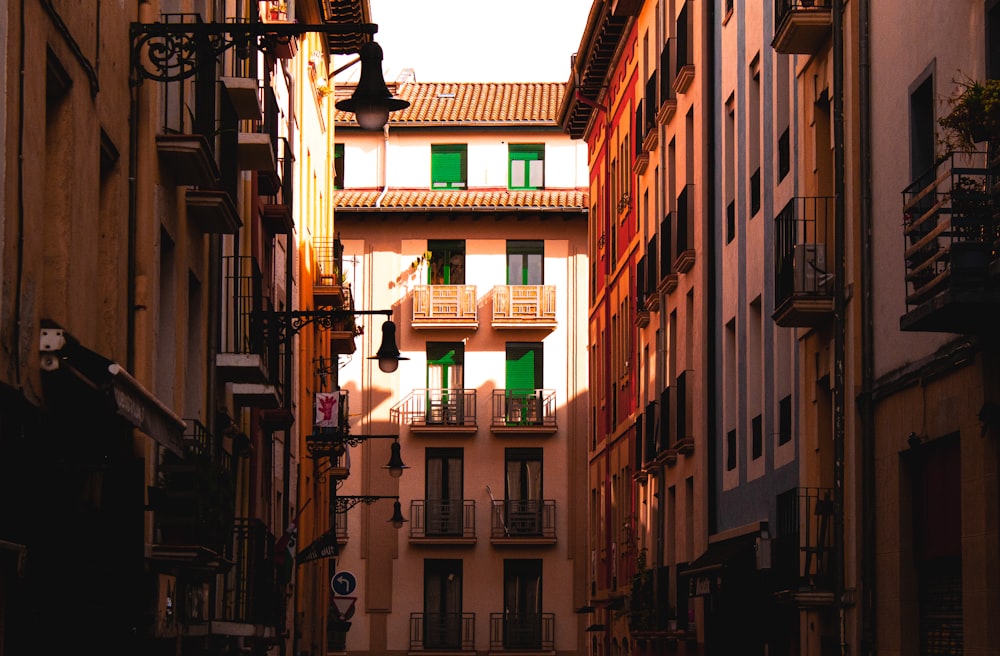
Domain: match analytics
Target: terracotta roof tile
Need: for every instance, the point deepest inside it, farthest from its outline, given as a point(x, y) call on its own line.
point(503, 103)
point(549, 199)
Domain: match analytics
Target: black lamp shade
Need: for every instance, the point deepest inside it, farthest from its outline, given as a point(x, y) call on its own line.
point(371, 101)
point(395, 465)
point(388, 353)
point(397, 520)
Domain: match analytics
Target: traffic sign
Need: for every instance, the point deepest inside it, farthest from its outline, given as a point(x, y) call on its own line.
point(343, 583)
point(344, 607)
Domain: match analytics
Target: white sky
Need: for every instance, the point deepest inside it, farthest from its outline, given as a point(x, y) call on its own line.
point(478, 40)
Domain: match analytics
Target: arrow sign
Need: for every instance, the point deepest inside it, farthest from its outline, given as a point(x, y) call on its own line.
point(343, 583)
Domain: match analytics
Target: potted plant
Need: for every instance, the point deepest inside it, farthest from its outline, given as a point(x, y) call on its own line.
point(974, 115)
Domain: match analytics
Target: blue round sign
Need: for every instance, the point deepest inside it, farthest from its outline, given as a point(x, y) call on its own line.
point(343, 583)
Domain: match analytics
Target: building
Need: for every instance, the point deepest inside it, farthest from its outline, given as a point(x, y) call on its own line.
point(931, 459)
point(149, 257)
point(464, 221)
point(641, 85)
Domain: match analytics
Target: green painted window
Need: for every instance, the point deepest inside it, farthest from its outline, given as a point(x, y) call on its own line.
point(449, 166)
point(525, 259)
point(524, 366)
point(338, 166)
point(447, 264)
point(527, 166)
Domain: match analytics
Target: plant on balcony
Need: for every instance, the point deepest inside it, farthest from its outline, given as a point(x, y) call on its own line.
point(974, 115)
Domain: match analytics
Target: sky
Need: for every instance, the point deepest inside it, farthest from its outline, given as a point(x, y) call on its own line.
point(478, 40)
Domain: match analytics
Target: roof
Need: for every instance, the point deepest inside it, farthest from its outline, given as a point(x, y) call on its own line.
point(471, 103)
point(548, 199)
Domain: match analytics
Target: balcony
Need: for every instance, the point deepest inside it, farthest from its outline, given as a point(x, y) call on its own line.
point(328, 279)
point(443, 521)
point(802, 548)
point(522, 631)
point(803, 26)
point(450, 632)
point(276, 209)
point(251, 366)
point(445, 306)
point(438, 411)
point(193, 500)
point(523, 522)
point(530, 411)
point(684, 257)
point(251, 594)
point(951, 234)
point(803, 281)
point(327, 437)
point(524, 306)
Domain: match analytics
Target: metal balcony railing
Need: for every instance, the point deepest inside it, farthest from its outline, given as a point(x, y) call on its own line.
point(520, 631)
point(437, 408)
point(436, 631)
point(329, 262)
point(803, 258)
point(524, 305)
point(442, 518)
point(524, 408)
point(250, 592)
point(444, 305)
point(951, 230)
point(523, 518)
point(803, 542)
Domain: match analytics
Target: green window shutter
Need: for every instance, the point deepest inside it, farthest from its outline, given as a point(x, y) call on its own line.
point(524, 367)
point(338, 166)
point(448, 166)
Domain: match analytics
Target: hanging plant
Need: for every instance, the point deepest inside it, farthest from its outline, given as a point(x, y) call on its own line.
point(974, 115)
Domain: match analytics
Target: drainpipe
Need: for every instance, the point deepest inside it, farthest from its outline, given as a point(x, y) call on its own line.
point(385, 162)
point(866, 410)
point(839, 320)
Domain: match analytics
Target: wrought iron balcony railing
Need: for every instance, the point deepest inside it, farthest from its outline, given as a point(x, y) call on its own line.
point(951, 232)
point(523, 410)
point(448, 519)
point(437, 409)
point(521, 631)
point(523, 519)
point(803, 262)
point(802, 549)
point(436, 631)
point(250, 593)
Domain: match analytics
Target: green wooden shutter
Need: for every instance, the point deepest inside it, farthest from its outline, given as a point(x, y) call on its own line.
point(448, 166)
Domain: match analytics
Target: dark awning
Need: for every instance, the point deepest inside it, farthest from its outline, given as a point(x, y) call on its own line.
point(737, 550)
point(60, 351)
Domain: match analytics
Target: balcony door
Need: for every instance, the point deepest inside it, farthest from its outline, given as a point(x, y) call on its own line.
point(524, 491)
point(442, 604)
point(444, 492)
point(522, 598)
point(523, 383)
point(445, 381)
point(525, 262)
point(447, 266)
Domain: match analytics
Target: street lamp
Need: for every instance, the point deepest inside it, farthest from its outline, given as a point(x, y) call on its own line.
point(388, 353)
point(371, 101)
point(395, 465)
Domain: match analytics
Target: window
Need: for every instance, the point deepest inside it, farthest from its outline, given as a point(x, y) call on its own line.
point(525, 260)
point(447, 265)
point(522, 597)
point(444, 504)
point(449, 166)
point(527, 166)
point(731, 450)
point(785, 420)
point(445, 380)
point(442, 603)
point(523, 491)
point(338, 166)
point(524, 380)
point(758, 437)
point(922, 139)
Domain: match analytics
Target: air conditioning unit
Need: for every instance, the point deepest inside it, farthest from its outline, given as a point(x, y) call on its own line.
point(809, 268)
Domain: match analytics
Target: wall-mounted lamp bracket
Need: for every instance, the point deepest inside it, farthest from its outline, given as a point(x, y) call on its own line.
point(172, 49)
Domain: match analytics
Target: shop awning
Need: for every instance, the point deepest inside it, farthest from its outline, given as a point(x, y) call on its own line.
point(61, 352)
point(737, 550)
